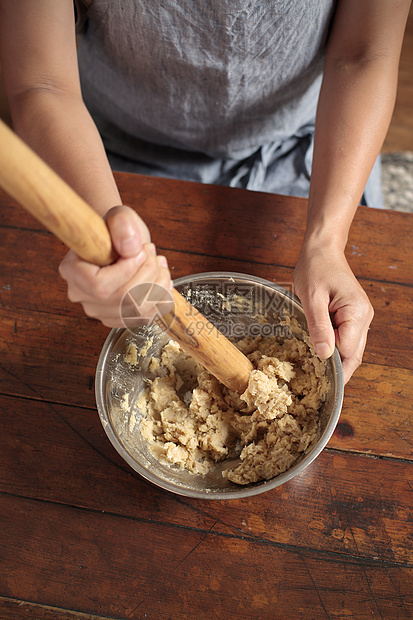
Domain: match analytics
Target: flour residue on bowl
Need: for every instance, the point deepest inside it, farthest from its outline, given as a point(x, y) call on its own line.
point(192, 421)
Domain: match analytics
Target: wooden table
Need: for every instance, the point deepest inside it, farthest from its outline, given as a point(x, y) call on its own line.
point(83, 536)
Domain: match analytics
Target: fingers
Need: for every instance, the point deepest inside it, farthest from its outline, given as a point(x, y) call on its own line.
point(146, 302)
point(86, 280)
point(101, 290)
point(337, 309)
point(316, 310)
point(350, 364)
point(128, 231)
point(352, 322)
point(128, 306)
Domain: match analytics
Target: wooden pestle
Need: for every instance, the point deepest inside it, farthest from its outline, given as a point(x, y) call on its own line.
point(33, 184)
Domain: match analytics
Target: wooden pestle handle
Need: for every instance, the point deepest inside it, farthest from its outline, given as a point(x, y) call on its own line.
point(207, 345)
point(30, 181)
point(33, 184)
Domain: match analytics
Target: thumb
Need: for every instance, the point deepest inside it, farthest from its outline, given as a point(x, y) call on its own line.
point(128, 231)
point(319, 325)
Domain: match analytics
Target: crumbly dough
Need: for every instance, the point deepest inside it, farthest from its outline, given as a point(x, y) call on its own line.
point(133, 355)
point(191, 420)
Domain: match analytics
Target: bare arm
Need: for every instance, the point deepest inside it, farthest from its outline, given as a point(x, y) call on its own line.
point(38, 55)
point(354, 111)
point(38, 51)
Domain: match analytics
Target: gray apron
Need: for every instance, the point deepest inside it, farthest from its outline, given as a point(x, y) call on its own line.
point(216, 91)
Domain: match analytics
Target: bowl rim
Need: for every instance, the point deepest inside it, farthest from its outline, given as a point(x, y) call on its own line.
point(242, 491)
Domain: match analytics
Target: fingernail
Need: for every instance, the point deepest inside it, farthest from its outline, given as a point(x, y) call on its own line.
point(140, 258)
point(152, 248)
point(163, 262)
point(323, 350)
point(130, 245)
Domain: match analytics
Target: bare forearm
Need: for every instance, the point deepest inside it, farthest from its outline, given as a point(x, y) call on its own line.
point(355, 107)
point(59, 128)
point(354, 112)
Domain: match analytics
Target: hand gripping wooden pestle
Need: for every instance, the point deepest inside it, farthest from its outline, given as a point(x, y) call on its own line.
point(33, 184)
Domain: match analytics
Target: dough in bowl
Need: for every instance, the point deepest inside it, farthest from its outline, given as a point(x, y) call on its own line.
point(192, 421)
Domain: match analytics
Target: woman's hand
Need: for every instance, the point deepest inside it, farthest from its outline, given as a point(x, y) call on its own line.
point(338, 310)
point(101, 290)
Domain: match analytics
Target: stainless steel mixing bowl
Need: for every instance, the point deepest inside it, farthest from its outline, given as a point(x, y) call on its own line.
point(213, 295)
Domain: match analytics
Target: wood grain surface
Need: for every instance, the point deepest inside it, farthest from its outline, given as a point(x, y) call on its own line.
point(83, 536)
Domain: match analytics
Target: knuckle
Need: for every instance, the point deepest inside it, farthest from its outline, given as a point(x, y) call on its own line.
point(100, 291)
point(111, 322)
point(369, 314)
point(366, 306)
point(365, 310)
point(63, 270)
point(91, 311)
point(72, 296)
point(358, 360)
point(164, 279)
point(121, 217)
